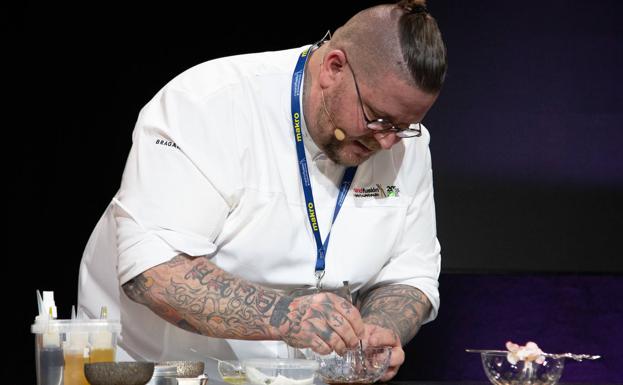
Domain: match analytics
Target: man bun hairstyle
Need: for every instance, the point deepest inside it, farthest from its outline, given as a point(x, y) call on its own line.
point(422, 47)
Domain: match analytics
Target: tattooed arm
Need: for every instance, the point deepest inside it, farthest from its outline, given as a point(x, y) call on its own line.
point(392, 315)
point(198, 296)
point(400, 308)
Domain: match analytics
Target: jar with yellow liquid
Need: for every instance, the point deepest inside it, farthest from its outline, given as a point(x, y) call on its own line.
point(76, 354)
point(77, 342)
point(102, 355)
point(102, 347)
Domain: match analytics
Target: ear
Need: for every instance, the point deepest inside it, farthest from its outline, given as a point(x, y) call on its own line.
point(332, 67)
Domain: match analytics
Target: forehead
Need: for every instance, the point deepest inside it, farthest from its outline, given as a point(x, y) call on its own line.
point(398, 99)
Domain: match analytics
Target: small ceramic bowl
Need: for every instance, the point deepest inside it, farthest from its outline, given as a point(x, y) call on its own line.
point(119, 373)
point(186, 369)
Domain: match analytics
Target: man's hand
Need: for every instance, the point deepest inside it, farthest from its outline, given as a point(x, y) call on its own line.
point(392, 315)
point(323, 322)
point(379, 336)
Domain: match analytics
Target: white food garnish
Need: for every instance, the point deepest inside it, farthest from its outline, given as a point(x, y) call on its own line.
point(528, 353)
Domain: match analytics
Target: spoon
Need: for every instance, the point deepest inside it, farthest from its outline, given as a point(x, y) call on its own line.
point(577, 357)
point(229, 372)
point(362, 356)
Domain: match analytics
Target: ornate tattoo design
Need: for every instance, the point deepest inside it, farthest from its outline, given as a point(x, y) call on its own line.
point(400, 308)
point(197, 296)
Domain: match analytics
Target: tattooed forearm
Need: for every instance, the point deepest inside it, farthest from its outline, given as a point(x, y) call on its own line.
point(137, 288)
point(400, 308)
point(198, 296)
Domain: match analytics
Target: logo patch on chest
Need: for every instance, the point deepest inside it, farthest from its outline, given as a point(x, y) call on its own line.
point(376, 191)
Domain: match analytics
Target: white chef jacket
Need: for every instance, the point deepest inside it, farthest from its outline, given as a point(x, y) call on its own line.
point(213, 172)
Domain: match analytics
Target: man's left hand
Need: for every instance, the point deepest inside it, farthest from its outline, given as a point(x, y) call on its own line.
point(380, 336)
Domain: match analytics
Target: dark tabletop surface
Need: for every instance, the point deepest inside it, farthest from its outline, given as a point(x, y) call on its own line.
point(477, 383)
point(214, 382)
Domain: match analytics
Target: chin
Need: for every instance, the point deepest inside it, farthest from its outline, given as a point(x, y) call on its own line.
point(350, 159)
point(346, 153)
point(346, 157)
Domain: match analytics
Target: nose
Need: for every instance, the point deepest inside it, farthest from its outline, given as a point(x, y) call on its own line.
point(386, 139)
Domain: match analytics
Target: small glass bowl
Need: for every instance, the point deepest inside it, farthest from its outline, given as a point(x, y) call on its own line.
point(231, 372)
point(501, 372)
point(354, 366)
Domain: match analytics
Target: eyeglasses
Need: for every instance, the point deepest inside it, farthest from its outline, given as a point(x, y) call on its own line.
point(383, 125)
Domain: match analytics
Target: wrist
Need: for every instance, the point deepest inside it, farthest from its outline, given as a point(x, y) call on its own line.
point(279, 317)
point(376, 319)
point(381, 321)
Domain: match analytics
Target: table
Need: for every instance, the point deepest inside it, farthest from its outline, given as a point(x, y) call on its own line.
point(476, 383)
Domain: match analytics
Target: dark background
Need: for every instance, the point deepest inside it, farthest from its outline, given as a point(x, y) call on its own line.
point(525, 136)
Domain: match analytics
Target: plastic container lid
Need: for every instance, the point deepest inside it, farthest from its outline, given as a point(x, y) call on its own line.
point(281, 363)
point(70, 326)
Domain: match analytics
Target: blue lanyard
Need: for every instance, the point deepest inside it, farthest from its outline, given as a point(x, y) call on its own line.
point(347, 179)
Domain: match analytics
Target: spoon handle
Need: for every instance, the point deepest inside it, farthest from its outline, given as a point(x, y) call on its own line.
point(577, 357)
point(485, 351)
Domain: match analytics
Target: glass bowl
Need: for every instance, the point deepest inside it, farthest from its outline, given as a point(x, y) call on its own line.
point(355, 365)
point(231, 372)
point(501, 372)
point(279, 371)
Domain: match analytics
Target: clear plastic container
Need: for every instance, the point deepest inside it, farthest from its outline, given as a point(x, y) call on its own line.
point(164, 375)
point(279, 371)
point(62, 347)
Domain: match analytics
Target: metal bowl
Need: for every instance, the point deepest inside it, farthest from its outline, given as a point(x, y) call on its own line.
point(186, 369)
point(119, 373)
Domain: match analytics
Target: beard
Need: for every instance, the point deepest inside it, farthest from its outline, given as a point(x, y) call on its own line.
point(331, 148)
point(341, 151)
point(348, 151)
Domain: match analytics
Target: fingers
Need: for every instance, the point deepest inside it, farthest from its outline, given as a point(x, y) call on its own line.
point(324, 322)
point(331, 340)
point(345, 328)
point(319, 346)
point(336, 321)
point(389, 374)
point(353, 329)
point(380, 336)
point(396, 360)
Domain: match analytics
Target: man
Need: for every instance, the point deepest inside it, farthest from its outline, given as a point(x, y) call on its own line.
point(229, 195)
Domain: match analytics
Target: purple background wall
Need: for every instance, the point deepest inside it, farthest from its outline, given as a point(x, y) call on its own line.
point(525, 135)
point(561, 313)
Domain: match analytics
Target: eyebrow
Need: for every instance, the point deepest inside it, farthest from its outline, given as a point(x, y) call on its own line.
point(380, 114)
point(386, 116)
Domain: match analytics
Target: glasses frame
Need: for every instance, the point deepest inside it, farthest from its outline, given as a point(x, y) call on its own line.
point(383, 125)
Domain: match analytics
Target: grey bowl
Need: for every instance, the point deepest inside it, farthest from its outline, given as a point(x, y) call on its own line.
point(119, 373)
point(186, 369)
